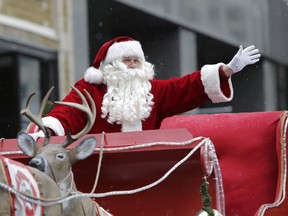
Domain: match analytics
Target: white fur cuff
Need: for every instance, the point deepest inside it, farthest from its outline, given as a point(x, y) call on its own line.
point(93, 76)
point(54, 124)
point(211, 81)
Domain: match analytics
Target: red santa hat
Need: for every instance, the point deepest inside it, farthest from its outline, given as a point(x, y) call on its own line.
point(116, 48)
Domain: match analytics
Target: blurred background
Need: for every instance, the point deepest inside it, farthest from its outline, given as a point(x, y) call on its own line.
point(46, 43)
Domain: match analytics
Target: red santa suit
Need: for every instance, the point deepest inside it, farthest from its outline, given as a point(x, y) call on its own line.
point(171, 97)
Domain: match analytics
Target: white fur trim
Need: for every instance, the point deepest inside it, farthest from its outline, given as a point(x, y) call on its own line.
point(54, 124)
point(211, 81)
point(37, 135)
point(127, 127)
point(93, 76)
point(122, 49)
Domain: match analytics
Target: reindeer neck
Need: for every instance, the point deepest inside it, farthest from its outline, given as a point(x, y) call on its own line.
point(67, 185)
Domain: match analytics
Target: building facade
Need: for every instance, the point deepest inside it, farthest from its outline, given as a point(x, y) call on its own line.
point(35, 54)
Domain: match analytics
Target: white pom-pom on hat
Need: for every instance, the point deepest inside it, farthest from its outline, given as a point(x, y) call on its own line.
point(93, 76)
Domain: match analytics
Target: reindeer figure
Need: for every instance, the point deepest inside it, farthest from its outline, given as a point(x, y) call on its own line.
point(26, 179)
point(55, 161)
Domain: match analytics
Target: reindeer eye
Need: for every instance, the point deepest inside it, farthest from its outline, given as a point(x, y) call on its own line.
point(60, 156)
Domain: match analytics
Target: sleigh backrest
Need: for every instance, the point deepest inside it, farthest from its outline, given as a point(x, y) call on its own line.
point(251, 152)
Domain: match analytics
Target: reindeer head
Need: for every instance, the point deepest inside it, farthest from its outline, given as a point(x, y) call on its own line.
point(54, 159)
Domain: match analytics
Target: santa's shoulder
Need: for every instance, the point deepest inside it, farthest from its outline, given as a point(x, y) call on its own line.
point(82, 84)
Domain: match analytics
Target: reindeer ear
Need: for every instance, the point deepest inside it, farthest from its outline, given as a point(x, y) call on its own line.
point(27, 144)
point(83, 150)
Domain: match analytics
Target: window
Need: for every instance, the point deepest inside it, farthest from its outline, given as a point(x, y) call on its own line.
point(29, 81)
point(20, 75)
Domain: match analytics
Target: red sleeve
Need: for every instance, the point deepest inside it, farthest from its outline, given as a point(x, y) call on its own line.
point(71, 118)
point(178, 95)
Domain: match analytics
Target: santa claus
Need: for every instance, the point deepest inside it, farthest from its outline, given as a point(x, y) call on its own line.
point(129, 98)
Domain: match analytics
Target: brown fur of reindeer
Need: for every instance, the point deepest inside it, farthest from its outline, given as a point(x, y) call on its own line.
point(47, 187)
point(55, 161)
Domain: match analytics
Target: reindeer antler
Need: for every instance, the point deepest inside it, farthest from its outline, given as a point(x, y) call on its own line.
point(91, 115)
point(38, 119)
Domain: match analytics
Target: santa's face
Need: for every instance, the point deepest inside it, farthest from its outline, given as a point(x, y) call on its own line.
point(132, 62)
point(128, 98)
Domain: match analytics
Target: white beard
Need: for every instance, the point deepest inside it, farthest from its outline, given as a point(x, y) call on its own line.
point(128, 98)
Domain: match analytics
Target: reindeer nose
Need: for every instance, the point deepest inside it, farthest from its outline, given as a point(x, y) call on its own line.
point(37, 163)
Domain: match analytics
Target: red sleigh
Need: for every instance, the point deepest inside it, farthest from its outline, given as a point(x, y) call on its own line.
point(251, 149)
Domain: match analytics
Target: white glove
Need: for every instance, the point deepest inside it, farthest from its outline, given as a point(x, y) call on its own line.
point(37, 135)
point(248, 56)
